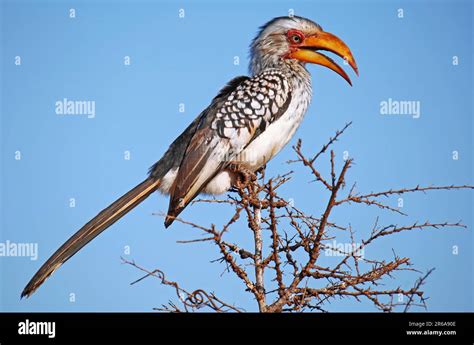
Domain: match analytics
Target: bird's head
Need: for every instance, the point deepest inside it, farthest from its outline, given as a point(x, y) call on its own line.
point(297, 39)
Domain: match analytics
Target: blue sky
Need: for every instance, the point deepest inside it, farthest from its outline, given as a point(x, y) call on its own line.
point(187, 60)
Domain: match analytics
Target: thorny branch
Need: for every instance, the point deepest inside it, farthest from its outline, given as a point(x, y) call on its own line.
point(296, 249)
point(197, 299)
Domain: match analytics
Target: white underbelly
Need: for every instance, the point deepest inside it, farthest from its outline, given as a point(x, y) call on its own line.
point(220, 184)
point(271, 141)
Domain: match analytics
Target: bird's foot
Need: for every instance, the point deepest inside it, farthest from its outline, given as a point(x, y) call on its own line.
point(245, 176)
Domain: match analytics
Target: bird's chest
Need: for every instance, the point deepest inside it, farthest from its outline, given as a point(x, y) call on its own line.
point(278, 133)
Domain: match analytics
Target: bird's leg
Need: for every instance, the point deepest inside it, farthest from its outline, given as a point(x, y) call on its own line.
point(245, 175)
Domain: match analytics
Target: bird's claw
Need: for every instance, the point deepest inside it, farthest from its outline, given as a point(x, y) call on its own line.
point(245, 175)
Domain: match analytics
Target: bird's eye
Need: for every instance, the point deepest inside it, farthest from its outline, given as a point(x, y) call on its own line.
point(295, 36)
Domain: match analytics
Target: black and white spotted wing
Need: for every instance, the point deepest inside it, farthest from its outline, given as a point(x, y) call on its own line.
point(255, 103)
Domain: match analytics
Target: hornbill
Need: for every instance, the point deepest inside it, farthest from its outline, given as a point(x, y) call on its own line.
point(249, 121)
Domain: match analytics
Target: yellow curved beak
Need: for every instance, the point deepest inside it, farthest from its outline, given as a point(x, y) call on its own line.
point(306, 52)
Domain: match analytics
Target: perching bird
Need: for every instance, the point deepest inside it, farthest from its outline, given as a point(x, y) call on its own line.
point(246, 125)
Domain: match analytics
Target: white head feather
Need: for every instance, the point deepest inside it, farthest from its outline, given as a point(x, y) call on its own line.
point(271, 44)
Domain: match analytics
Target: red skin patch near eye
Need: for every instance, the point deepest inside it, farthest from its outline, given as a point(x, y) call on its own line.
point(292, 33)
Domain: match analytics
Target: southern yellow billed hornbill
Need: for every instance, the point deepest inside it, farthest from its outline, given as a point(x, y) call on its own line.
point(246, 125)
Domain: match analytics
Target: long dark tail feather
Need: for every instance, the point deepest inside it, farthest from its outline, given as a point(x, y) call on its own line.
point(88, 232)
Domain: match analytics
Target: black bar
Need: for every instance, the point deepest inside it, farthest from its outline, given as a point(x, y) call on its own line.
point(247, 328)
